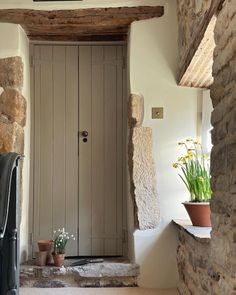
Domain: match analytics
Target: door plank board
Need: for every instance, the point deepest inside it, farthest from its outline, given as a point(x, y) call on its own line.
point(85, 103)
point(46, 143)
point(37, 140)
point(59, 140)
point(110, 88)
point(98, 180)
point(71, 153)
point(119, 159)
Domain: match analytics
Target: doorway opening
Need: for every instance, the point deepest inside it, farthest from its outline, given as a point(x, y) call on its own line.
point(79, 126)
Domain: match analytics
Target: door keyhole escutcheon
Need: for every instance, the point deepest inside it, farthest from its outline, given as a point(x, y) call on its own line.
point(84, 135)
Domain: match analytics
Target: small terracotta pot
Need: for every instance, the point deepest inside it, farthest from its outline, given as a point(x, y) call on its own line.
point(41, 258)
point(45, 245)
point(199, 213)
point(58, 259)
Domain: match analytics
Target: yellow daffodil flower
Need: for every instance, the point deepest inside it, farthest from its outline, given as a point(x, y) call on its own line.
point(190, 155)
point(183, 159)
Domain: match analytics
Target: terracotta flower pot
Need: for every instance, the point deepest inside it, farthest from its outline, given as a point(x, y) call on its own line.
point(45, 245)
point(50, 260)
point(58, 259)
point(41, 258)
point(199, 213)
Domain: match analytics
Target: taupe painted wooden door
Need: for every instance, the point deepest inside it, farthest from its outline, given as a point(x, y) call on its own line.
point(56, 141)
point(79, 88)
point(101, 157)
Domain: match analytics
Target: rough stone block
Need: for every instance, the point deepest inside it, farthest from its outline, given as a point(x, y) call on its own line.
point(13, 106)
point(11, 72)
point(143, 179)
point(11, 138)
point(136, 109)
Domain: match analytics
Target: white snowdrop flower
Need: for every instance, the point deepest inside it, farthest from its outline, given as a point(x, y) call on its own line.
point(54, 231)
point(74, 238)
point(63, 229)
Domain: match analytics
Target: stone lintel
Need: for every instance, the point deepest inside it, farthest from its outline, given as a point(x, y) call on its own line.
point(199, 72)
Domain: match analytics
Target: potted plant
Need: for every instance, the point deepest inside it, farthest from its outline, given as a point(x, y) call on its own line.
point(59, 246)
point(194, 166)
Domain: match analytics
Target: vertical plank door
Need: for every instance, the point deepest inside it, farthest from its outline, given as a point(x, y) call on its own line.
point(101, 152)
point(56, 142)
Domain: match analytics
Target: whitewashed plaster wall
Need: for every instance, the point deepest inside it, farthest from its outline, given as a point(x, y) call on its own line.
point(24, 53)
point(153, 62)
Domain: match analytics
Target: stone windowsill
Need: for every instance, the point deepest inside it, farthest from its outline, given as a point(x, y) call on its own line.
point(201, 234)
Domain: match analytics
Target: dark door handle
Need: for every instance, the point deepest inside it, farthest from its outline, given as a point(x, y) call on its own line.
point(84, 133)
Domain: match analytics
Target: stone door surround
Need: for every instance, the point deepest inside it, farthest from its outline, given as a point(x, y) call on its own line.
point(12, 106)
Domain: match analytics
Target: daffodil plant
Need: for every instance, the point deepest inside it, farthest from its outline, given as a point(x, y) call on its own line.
point(60, 239)
point(195, 171)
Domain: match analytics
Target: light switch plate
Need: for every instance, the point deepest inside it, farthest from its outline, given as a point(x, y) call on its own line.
point(157, 113)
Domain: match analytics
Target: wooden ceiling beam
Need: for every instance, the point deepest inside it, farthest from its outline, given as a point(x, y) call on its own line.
point(79, 22)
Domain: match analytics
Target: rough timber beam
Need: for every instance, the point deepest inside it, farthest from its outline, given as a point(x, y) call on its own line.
point(80, 23)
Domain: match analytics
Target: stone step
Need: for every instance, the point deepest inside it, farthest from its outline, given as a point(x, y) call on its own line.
point(105, 274)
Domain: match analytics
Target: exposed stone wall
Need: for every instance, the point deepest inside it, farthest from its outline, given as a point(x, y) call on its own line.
point(142, 168)
point(193, 265)
point(198, 272)
point(221, 263)
point(12, 106)
point(223, 158)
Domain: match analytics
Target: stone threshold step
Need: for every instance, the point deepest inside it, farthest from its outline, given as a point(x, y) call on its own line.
point(104, 274)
